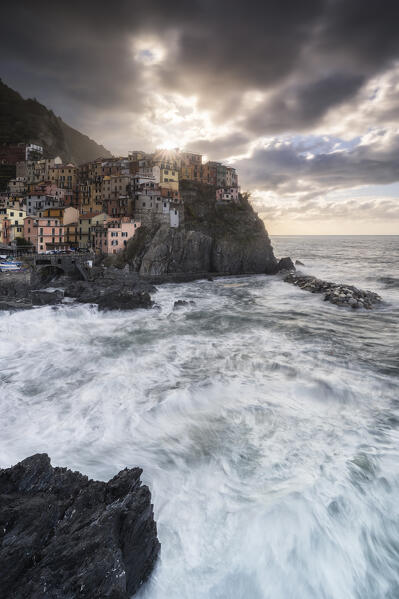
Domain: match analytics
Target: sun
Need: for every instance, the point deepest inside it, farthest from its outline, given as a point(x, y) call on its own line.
point(167, 145)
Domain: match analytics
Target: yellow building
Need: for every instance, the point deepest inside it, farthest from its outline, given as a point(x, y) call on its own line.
point(167, 176)
point(64, 214)
point(71, 235)
point(95, 200)
point(187, 172)
point(16, 215)
point(85, 225)
point(64, 176)
point(16, 222)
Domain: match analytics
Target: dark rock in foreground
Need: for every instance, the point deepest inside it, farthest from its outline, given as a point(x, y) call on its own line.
point(341, 295)
point(63, 535)
point(110, 288)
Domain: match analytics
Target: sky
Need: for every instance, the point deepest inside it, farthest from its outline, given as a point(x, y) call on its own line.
point(301, 96)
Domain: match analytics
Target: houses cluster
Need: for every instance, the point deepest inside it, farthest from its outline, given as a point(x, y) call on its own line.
point(50, 206)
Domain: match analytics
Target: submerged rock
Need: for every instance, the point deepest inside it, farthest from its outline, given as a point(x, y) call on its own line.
point(299, 263)
point(63, 535)
point(182, 303)
point(341, 295)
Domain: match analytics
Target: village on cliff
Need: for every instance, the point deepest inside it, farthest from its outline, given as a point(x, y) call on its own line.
point(48, 206)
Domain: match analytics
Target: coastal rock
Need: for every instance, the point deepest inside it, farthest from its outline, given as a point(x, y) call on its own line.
point(63, 535)
point(182, 304)
point(124, 300)
point(175, 250)
point(15, 304)
point(15, 285)
point(225, 240)
point(299, 263)
point(41, 297)
point(341, 295)
point(112, 291)
point(285, 264)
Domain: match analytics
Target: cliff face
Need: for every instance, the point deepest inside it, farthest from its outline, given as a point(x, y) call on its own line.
point(63, 535)
point(29, 121)
point(228, 239)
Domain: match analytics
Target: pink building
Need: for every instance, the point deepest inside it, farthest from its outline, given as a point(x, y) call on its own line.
point(111, 238)
point(44, 233)
point(48, 188)
point(227, 194)
point(6, 231)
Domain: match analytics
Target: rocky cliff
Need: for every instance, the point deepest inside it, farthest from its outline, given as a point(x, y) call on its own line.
point(228, 239)
point(29, 121)
point(63, 535)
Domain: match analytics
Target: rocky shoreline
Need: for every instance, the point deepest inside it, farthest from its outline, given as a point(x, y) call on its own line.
point(112, 288)
point(63, 535)
point(109, 287)
point(340, 295)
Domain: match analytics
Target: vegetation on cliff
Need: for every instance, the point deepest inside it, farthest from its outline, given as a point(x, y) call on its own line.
point(28, 121)
point(213, 238)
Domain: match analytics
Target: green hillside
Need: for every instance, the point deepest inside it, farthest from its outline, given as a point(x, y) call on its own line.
point(31, 122)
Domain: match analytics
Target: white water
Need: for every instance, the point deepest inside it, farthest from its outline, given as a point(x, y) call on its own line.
point(266, 422)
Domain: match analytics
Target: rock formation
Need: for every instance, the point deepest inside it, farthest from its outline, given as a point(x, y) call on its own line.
point(63, 535)
point(214, 238)
point(341, 295)
point(110, 289)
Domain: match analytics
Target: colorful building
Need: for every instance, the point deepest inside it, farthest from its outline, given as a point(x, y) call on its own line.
point(87, 222)
point(64, 175)
point(227, 194)
point(45, 234)
point(112, 237)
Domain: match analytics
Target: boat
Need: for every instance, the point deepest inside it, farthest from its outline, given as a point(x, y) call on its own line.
point(10, 265)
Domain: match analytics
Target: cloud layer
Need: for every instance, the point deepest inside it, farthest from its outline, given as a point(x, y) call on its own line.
point(303, 96)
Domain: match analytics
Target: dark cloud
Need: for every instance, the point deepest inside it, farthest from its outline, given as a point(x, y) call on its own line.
point(299, 107)
point(257, 69)
point(222, 47)
point(223, 147)
point(281, 165)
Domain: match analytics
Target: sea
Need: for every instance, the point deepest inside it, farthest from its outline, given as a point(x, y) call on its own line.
point(266, 422)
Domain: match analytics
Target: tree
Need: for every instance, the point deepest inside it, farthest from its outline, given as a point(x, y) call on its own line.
point(21, 241)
